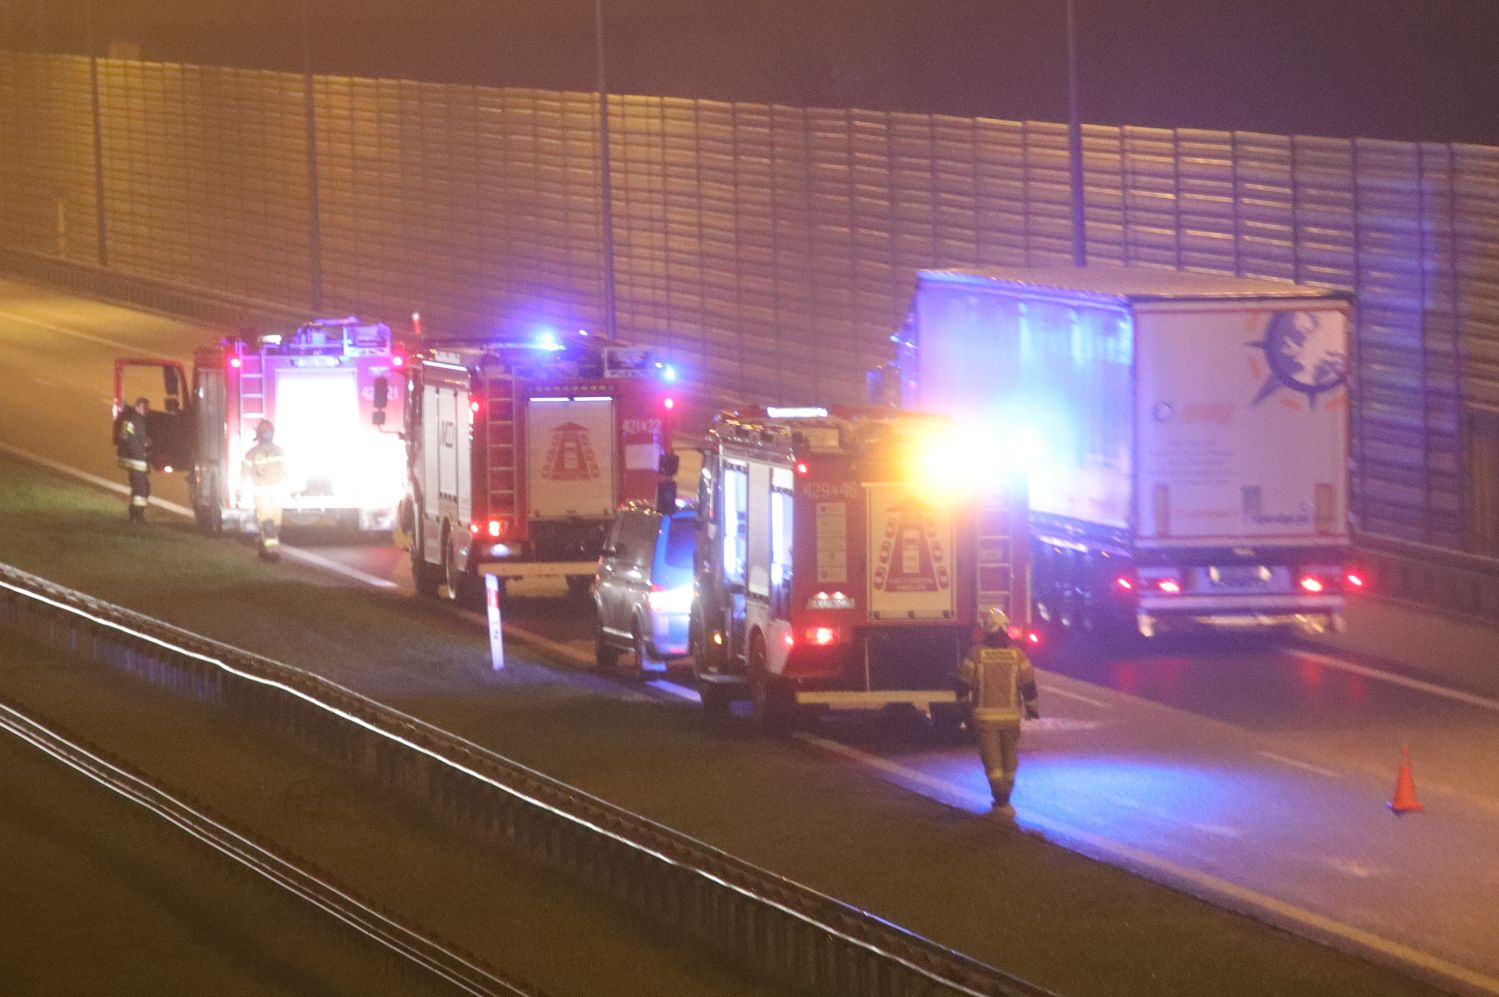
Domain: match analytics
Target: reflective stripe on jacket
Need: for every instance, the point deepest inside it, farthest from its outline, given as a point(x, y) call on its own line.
point(132, 441)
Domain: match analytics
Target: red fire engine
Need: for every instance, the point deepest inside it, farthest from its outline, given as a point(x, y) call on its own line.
point(317, 386)
point(834, 569)
point(519, 453)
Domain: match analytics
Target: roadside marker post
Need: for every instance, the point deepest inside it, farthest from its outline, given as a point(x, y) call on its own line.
point(496, 635)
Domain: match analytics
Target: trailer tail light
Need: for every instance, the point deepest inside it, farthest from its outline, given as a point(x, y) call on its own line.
point(1124, 583)
point(496, 527)
point(1354, 580)
point(1170, 585)
point(1320, 578)
point(822, 636)
point(1311, 584)
point(1033, 638)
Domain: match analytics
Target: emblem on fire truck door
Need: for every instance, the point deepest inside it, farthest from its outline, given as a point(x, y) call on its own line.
point(570, 455)
point(911, 557)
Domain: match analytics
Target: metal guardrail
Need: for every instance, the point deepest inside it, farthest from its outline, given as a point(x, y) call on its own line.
point(1464, 586)
point(461, 970)
point(767, 922)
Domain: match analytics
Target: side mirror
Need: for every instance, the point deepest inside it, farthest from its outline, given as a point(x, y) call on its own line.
point(382, 397)
point(669, 464)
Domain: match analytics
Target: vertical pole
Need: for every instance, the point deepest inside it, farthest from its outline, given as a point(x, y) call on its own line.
point(314, 225)
point(606, 176)
point(1075, 147)
point(93, 83)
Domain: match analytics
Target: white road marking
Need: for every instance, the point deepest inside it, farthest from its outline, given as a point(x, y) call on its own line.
point(291, 553)
point(1219, 891)
point(1308, 766)
point(673, 689)
point(1052, 690)
point(1392, 678)
point(101, 340)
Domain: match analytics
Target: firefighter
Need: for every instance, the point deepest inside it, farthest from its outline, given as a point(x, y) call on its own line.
point(133, 453)
point(999, 680)
point(265, 469)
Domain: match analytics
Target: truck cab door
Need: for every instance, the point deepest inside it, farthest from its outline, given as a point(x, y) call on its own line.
point(164, 384)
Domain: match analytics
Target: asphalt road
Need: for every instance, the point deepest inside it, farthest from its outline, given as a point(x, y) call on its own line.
point(1255, 774)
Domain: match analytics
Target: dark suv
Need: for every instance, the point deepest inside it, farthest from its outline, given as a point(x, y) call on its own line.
point(643, 589)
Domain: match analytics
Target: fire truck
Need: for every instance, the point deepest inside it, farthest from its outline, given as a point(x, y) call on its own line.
point(518, 453)
point(837, 564)
point(317, 385)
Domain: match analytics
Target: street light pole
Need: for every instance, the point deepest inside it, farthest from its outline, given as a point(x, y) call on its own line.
point(606, 204)
point(1075, 147)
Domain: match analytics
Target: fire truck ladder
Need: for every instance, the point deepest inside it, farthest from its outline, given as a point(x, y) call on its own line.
point(1004, 557)
point(251, 389)
point(501, 451)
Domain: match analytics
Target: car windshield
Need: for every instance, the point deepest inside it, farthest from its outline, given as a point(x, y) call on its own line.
point(680, 542)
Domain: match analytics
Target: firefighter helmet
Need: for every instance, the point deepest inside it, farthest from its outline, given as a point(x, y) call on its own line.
point(264, 431)
point(995, 621)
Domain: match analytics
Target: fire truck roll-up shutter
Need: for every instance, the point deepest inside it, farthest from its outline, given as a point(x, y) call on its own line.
point(911, 571)
point(570, 456)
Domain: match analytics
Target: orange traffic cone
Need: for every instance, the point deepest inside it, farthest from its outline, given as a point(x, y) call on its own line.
point(1405, 786)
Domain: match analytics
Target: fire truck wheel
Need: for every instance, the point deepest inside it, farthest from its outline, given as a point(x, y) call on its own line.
point(771, 704)
point(452, 574)
point(716, 697)
point(426, 578)
point(947, 721)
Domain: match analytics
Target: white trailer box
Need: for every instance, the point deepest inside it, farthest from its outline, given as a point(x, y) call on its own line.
point(1184, 435)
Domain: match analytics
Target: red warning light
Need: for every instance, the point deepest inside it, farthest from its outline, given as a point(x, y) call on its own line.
point(235, 362)
point(1355, 580)
point(821, 636)
point(1124, 583)
point(803, 468)
point(397, 360)
point(1033, 637)
point(473, 407)
point(670, 404)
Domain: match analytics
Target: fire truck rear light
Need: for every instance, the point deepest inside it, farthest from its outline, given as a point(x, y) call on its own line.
point(670, 404)
point(1124, 583)
point(802, 467)
point(235, 362)
point(1169, 585)
point(1311, 584)
point(397, 360)
point(473, 407)
point(473, 528)
point(1033, 637)
point(821, 636)
point(496, 527)
point(1354, 580)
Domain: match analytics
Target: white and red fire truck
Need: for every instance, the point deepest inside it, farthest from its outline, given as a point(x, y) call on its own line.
point(317, 386)
point(519, 453)
point(835, 568)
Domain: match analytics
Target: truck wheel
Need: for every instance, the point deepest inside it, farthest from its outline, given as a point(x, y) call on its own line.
point(770, 705)
point(579, 587)
point(425, 578)
point(452, 574)
point(716, 697)
point(947, 721)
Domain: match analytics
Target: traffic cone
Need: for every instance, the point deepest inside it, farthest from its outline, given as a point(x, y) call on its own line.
point(1405, 786)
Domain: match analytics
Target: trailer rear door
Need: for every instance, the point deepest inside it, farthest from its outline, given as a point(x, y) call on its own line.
point(570, 457)
point(911, 546)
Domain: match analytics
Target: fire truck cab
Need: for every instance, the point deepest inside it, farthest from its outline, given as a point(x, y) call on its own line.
point(832, 569)
point(317, 386)
point(520, 453)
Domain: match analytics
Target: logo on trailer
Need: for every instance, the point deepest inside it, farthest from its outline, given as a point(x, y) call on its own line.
point(570, 455)
point(1307, 353)
point(911, 555)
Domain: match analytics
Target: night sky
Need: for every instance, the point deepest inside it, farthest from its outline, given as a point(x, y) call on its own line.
point(1414, 69)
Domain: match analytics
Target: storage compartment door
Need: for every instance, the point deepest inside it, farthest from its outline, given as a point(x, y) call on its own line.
point(911, 541)
point(570, 457)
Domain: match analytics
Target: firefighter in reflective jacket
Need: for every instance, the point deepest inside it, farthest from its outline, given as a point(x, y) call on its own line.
point(133, 453)
point(999, 680)
point(265, 469)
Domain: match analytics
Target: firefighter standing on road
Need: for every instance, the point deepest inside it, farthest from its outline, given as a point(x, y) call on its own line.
point(999, 679)
point(133, 453)
point(265, 468)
